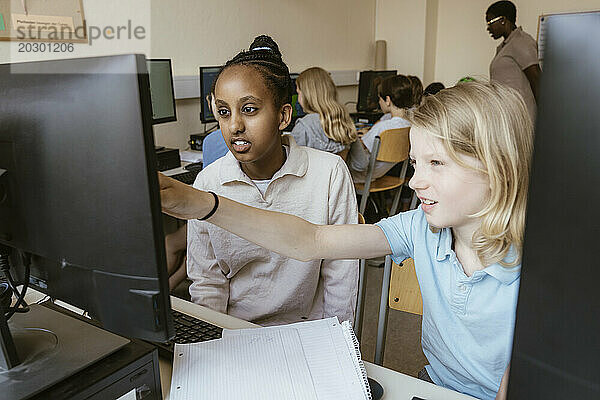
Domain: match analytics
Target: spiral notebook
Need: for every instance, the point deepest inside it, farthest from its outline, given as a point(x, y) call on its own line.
point(307, 360)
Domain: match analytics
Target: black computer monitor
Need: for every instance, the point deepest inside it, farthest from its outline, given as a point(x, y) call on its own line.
point(79, 196)
point(162, 92)
point(297, 111)
point(207, 78)
point(556, 348)
point(368, 97)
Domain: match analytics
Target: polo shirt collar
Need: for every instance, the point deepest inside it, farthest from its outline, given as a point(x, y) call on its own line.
point(444, 247)
point(516, 32)
point(506, 275)
point(295, 164)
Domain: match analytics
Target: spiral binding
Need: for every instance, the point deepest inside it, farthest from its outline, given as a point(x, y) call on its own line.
point(358, 363)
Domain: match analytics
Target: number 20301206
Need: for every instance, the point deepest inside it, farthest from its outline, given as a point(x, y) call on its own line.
point(46, 47)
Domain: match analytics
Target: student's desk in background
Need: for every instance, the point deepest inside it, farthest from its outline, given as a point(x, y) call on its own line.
point(395, 384)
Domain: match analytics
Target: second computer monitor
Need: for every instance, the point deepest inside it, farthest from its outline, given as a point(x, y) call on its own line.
point(297, 111)
point(207, 78)
point(161, 90)
point(368, 98)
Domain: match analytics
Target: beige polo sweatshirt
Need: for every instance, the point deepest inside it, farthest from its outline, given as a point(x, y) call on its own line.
point(237, 277)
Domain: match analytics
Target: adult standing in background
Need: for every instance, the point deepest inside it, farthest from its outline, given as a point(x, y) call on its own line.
point(516, 61)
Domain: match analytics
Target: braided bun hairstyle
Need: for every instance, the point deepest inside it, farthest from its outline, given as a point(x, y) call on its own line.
point(264, 56)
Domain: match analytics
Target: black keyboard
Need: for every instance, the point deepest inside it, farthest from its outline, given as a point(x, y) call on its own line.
point(188, 330)
point(187, 177)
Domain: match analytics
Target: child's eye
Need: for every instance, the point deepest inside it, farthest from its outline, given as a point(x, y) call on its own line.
point(223, 112)
point(436, 162)
point(249, 109)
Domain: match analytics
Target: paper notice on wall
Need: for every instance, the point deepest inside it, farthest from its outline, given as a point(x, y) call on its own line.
point(42, 23)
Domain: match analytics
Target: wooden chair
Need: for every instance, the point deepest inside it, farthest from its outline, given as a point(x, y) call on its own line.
point(390, 146)
point(400, 291)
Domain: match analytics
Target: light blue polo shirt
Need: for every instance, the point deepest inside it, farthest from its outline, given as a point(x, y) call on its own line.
point(468, 322)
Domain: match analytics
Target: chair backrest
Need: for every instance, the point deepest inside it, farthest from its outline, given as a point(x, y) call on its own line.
point(405, 294)
point(394, 145)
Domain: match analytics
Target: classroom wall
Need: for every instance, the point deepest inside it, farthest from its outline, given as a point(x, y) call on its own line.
point(463, 45)
point(401, 23)
point(333, 34)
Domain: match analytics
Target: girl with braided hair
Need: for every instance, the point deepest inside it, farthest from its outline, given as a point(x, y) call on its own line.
point(269, 171)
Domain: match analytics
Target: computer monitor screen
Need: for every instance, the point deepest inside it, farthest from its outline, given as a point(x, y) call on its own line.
point(207, 78)
point(297, 111)
point(162, 92)
point(368, 97)
point(556, 347)
point(79, 195)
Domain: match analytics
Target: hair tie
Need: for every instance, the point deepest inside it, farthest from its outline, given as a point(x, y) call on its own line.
point(214, 209)
point(262, 48)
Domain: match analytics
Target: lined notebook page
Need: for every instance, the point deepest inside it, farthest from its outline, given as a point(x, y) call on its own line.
point(266, 366)
point(333, 362)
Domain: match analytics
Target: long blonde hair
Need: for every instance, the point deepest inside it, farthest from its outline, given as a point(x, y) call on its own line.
point(320, 96)
point(488, 121)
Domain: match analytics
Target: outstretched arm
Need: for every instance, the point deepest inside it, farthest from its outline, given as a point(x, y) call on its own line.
point(282, 233)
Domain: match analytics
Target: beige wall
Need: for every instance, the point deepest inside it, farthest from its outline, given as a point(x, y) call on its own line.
point(401, 23)
point(333, 34)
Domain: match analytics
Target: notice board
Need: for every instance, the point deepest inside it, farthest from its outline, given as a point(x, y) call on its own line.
point(43, 20)
point(541, 29)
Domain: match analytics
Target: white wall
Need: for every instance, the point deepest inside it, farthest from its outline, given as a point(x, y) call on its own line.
point(333, 34)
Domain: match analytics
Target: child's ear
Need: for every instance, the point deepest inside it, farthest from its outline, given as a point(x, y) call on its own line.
point(388, 101)
point(285, 116)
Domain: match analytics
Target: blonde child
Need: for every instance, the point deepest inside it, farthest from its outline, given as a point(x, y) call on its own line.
point(328, 125)
point(471, 147)
point(269, 171)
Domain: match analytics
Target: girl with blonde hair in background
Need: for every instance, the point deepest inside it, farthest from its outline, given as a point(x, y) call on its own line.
point(471, 148)
point(328, 125)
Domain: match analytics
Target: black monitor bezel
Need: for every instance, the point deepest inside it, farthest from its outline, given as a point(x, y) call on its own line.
point(361, 88)
point(156, 121)
point(204, 109)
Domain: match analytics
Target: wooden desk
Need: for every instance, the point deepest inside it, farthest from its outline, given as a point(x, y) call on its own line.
point(395, 384)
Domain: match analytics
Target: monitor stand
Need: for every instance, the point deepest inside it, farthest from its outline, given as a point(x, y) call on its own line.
point(51, 347)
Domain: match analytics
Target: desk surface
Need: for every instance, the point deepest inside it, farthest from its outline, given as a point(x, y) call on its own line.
point(395, 384)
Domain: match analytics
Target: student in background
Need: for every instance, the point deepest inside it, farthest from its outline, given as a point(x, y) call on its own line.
point(516, 61)
point(213, 145)
point(471, 147)
point(417, 90)
point(433, 88)
point(395, 96)
point(267, 170)
point(327, 125)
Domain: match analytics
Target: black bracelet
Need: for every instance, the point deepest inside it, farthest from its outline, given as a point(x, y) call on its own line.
point(214, 210)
